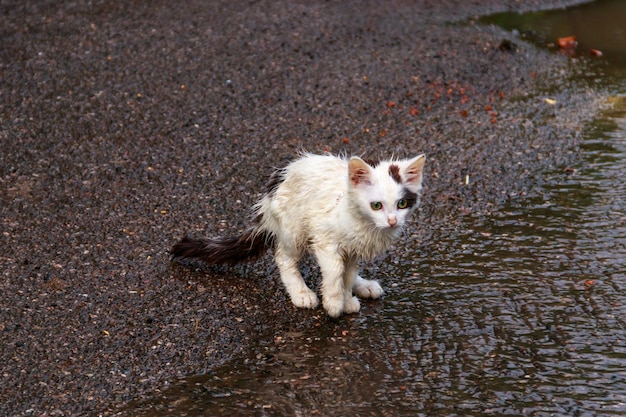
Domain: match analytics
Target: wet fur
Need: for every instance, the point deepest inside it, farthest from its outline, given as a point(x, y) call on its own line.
point(323, 204)
point(224, 250)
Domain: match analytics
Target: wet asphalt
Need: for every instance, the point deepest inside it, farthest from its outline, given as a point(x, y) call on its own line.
point(125, 125)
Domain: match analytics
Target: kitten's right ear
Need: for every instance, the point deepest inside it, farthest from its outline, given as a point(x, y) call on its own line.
point(359, 172)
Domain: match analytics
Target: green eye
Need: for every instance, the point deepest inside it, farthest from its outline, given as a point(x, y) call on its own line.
point(402, 204)
point(376, 205)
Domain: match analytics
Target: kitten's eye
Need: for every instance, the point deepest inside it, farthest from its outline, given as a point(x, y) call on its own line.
point(376, 205)
point(402, 204)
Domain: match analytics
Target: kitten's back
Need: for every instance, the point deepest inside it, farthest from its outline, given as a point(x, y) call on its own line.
point(318, 174)
point(311, 188)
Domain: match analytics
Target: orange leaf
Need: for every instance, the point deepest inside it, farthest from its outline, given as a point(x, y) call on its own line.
point(567, 42)
point(595, 52)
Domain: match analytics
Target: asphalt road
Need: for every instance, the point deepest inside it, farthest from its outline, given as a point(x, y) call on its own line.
point(125, 125)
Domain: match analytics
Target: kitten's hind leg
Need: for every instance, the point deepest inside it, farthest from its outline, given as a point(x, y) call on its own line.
point(301, 295)
point(367, 288)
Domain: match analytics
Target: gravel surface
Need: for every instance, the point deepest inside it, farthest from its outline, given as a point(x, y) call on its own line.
point(125, 125)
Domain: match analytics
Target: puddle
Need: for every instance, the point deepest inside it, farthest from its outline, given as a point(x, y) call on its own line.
point(597, 26)
point(520, 312)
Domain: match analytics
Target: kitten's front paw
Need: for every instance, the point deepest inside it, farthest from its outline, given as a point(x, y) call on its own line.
point(305, 299)
point(334, 306)
point(367, 288)
point(351, 305)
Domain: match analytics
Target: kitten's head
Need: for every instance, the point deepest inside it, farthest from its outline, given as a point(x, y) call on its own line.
point(388, 192)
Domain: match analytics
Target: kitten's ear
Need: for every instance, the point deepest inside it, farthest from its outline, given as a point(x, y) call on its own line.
point(413, 171)
point(359, 172)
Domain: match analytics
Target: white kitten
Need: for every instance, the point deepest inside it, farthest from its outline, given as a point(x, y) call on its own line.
point(340, 210)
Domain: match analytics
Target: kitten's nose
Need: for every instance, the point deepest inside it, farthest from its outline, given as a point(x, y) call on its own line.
point(392, 220)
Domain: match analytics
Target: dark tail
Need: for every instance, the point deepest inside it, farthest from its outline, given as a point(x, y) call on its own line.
point(225, 250)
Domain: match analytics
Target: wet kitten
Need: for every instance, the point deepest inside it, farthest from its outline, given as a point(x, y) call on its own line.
point(340, 210)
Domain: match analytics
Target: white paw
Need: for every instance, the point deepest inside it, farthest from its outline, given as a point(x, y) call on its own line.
point(366, 288)
point(305, 299)
point(351, 305)
point(334, 306)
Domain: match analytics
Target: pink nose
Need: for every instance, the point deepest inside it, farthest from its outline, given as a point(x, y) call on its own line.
point(392, 220)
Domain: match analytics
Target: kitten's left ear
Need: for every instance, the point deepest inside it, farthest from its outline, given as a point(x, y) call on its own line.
point(413, 171)
point(359, 172)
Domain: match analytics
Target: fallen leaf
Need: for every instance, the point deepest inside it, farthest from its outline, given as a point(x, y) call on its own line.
point(567, 42)
point(595, 52)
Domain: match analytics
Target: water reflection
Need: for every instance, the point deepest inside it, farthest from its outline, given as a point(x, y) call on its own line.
point(597, 25)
